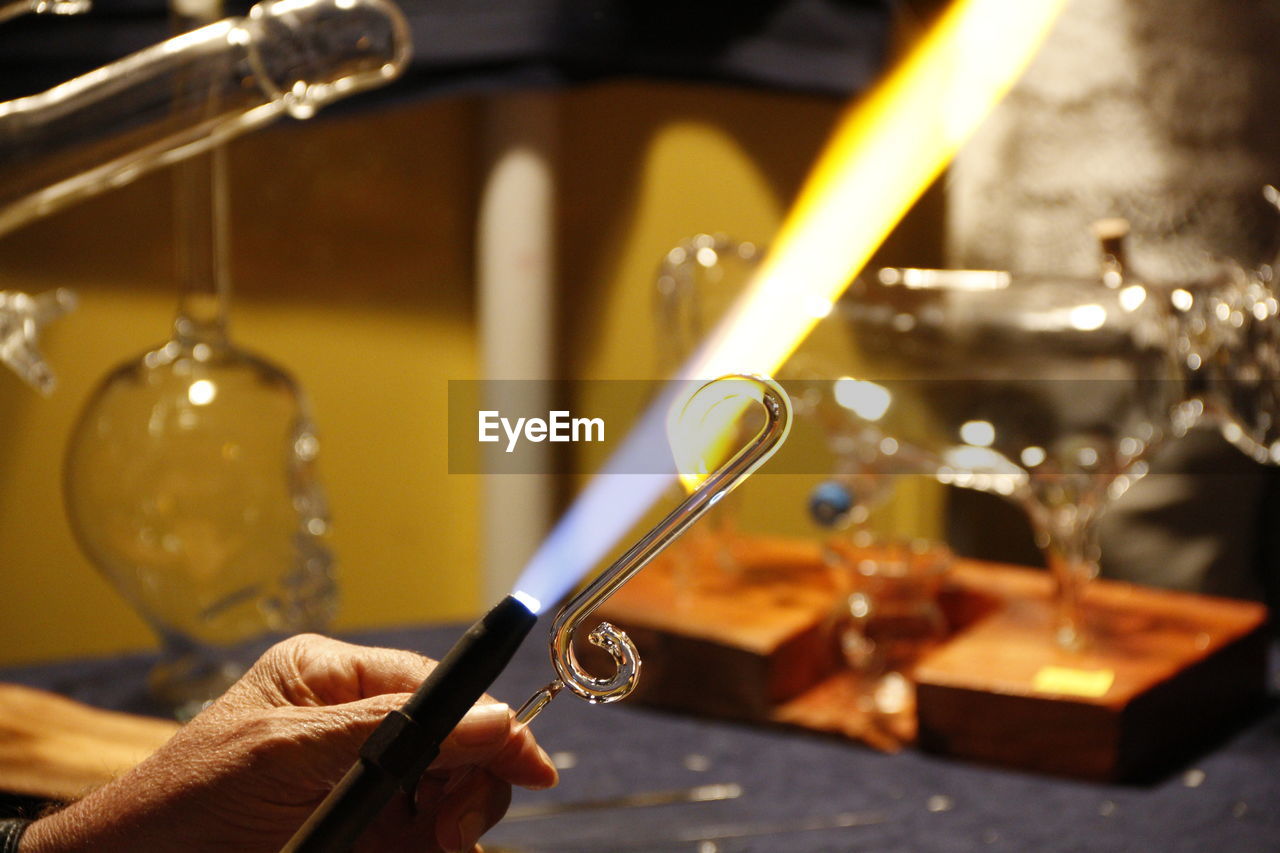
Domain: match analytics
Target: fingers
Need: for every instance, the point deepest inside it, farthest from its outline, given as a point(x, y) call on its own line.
point(487, 737)
point(336, 671)
point(402, 828)
point(444, 817)
point(523, 762)
point(468, 811)
point(480, 735)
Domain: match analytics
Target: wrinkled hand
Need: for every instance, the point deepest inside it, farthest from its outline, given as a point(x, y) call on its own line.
point(246, 772)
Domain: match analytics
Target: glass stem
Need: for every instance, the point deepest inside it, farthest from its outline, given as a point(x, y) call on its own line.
point(1072, 560)
point(202, 246)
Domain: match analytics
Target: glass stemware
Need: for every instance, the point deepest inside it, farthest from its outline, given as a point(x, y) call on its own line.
point(190, 479)
point(697, 282)
point(1048, 391)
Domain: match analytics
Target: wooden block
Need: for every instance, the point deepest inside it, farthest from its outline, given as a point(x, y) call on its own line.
point(754, 642)
point(729, 642)
point(842, 705)
point(1165, 670)
point(1162, 672)
point(54, 748)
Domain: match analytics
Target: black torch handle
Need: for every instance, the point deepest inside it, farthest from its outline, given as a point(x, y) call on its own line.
point(407, 740)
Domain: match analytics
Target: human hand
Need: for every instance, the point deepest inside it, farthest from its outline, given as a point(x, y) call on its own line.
point(248, 770)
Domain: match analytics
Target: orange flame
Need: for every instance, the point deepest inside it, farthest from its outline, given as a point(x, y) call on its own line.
point(886, 150)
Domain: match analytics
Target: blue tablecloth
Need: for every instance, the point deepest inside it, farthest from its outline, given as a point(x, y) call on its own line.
point(798, 789)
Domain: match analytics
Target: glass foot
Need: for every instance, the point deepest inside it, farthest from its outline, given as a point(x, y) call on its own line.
point(187, 679)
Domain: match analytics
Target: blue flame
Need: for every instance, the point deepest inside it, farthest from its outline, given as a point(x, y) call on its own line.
point(602, 514)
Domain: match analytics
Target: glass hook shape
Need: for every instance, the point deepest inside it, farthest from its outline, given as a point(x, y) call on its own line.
point(715, 485)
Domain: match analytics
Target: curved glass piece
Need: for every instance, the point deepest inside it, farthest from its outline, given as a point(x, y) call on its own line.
point(731, 474)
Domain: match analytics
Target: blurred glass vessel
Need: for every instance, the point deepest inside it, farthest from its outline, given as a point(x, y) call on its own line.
point(1047, 391)
point(698, 281)
point(190, 483)
point(189, 477)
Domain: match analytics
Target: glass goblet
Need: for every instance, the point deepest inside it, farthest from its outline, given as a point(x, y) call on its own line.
point(1048, 391)
point(190, 484)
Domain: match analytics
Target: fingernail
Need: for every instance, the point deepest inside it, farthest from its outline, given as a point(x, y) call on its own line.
point(483, 725)
point(470, 827)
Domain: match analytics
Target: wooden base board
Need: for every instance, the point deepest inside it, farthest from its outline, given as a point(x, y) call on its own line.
point(756, 643)
point(56, 749)
point(1160, 671)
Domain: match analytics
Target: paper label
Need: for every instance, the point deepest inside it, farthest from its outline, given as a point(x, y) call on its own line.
point(1067, 681)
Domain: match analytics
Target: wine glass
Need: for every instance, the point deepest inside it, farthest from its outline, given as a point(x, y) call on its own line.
point(1048, 391)
point(190, 480)
point(697, 282)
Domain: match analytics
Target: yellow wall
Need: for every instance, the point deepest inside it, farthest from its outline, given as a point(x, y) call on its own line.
point(353, 241)
point(693, 160)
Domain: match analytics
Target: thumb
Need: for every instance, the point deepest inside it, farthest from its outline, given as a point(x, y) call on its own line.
point(489, 737)
point(481, 735)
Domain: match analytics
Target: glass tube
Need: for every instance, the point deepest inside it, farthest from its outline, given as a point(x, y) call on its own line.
point(189, 93)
